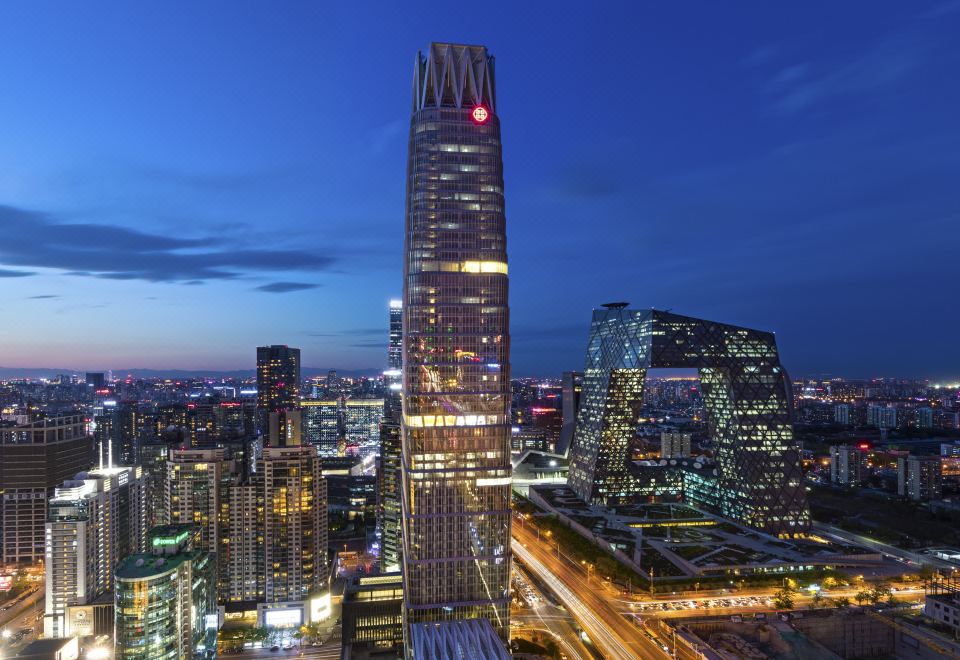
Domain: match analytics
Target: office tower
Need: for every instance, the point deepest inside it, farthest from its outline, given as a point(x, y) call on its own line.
point(841, 414)
point(153, 459)
point(747, 404)
point(95, 380)
point(126, 427)
point(278, 381)
point(848, 465)
point(37, 457)
point(373, 616)
point(572, 386)
point(334, 390)
point(550, 421)
point(162, 599)
point(395, 345)
point(919, 478)
point(674, 445)
point(361, 420)
point(388, 467)
point(456, 347)
point(93, 521)
point(294, 521)
point(323, 425)
point(202, 424)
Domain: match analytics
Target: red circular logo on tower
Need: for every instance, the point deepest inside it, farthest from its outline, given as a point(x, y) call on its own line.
point(480, 114)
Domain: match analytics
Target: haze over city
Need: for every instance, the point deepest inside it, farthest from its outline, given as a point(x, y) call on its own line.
point(180, 183)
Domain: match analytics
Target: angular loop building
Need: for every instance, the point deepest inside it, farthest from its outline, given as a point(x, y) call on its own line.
point(759, 479)
point(456, 347)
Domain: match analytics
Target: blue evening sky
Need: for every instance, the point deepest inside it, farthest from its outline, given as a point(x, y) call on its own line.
point(181, 181)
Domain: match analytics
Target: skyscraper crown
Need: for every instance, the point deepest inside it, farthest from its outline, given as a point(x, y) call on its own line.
point(454, 75)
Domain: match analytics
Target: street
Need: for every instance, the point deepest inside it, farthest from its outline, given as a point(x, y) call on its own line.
point(613, 634)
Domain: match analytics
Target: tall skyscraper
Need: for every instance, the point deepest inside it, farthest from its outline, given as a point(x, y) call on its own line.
point(196, 493)
point(388, 468)
point(37, 457)
point(294, 519)
point(93, 521)
point(278, 381)
point(456, 349)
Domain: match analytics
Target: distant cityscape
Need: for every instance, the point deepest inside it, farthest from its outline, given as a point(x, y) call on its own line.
point(442, 508)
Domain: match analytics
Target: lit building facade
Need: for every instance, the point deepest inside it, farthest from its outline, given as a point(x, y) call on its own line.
point(362, 419)
point(278, 381)
point(919, 478)
point(388, 468)
point(747, 402)
point(37, 457)
point(456, 373)
point(93, 521)
point(294, 523)
point(323, 425)
point(162, 599)
point(848, 465)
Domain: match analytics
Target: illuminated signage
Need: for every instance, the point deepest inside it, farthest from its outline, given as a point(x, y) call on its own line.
point(480, 114)
point(171, 540)
point(287, 618)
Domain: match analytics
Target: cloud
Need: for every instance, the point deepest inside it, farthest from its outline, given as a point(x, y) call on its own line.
point(286, 287)
point(34, 239)
point(797, 87)
point(46, 296)
point(15, 273)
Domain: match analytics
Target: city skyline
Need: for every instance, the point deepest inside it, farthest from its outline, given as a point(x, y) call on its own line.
point(135, 221)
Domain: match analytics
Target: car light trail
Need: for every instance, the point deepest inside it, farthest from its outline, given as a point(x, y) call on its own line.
point(610, 644)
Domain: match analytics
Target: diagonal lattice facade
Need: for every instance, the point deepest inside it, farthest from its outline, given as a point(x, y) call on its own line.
point(747, 401)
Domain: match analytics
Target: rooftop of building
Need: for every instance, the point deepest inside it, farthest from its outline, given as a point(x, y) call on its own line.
point(146, 565)
point(466, 638)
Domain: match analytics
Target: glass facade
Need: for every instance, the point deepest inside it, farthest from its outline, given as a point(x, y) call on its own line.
point(747, 401)
point(388, 469)
point(456, 373)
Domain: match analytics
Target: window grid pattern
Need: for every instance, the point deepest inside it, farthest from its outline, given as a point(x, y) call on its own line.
point(747, 402)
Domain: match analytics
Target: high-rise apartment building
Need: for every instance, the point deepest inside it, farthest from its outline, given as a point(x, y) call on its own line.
point(920, 478)
point(388, 467)
point(197, 493)
point(294, 524)
point(674, 445)
point(163, 598)
point(93, 521)
point(848, 465)
point(278, 381)
point(37, 457)
point(456, 347)
point(882, 417)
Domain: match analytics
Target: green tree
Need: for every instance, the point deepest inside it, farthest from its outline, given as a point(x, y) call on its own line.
point(879, 593)
point(862, 597)
point(842, 601)
point(816, 600)
point(783, 599)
